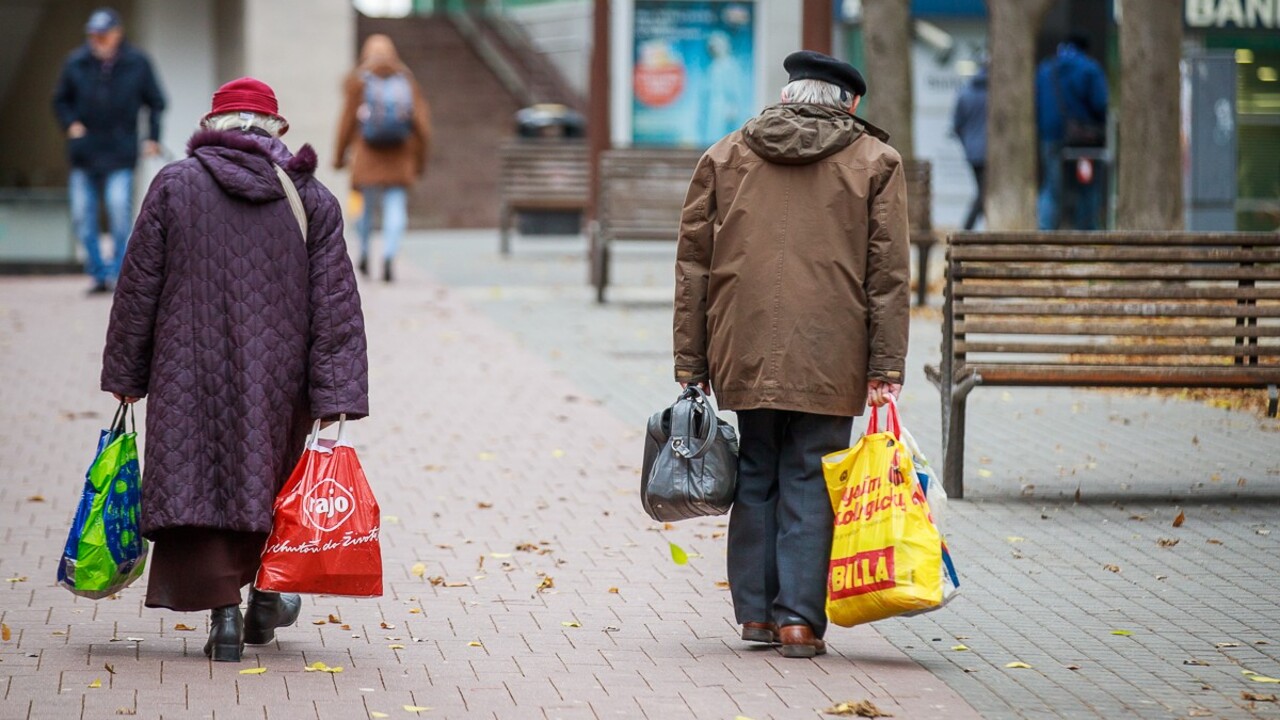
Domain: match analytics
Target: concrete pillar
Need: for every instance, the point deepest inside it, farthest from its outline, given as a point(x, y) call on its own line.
point(303, 49)
point(179, 37)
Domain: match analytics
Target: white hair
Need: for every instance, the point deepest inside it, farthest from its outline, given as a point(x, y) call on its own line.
point(240, 120)
point(817, 92)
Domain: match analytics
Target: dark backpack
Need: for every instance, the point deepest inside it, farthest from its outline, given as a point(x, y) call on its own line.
point(386, 117)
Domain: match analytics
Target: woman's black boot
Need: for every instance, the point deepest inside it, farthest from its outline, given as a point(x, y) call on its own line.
point(268, 611)
point(226, 634)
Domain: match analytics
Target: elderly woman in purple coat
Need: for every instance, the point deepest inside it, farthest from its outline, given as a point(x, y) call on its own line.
point(237, 317)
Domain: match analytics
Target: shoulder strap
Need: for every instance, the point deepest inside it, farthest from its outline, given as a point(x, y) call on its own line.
point(295, 200)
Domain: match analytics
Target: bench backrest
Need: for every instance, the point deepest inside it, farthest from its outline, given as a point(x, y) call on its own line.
point(919, 199)
point(642, 192)
point(1185, 309)
point(552, 169)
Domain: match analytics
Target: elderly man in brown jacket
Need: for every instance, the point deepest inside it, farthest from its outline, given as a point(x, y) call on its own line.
point(792, 303)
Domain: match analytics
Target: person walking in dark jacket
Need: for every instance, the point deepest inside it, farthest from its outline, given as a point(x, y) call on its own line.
point(1071, 111)
point(237, 317)
point(792, 304)
point(103, 86)
point(969, 123)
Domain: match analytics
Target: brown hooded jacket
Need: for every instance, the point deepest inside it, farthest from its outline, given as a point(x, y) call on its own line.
point(793, 269)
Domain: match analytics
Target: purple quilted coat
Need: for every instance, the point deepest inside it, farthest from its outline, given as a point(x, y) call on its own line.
point(236, 331)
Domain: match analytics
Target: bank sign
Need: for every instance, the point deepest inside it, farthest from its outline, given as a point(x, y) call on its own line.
point(1232, 14)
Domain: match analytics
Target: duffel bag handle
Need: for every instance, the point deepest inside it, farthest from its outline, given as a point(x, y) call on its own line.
point(683, 432)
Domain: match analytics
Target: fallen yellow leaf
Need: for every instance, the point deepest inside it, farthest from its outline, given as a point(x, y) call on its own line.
point(415, 708)
point(253, 671)
point(678, 555)
point(391, 519)
point(96, 683)
point(5, 633)
point(1018, 665)
point(1264, 679)
point(475, 643)
point(722, 584)
point(547, 583)
point(983, 472)
point(571, 623)
point(376, 714)
point(861, 708)
point(335, 619)
point(1015, 539)
point(396, 647)
point(613, 591)
point(319, 622)
point(1125, 633)
point(415, 611)
point(183, 627)
point(418, 569)
point(959, 648)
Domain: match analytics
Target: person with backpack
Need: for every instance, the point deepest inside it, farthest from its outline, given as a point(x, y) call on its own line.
point(386, 126)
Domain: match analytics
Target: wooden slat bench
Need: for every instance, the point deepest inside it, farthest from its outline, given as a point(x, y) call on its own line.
point(541, 174)
point(1183, 310)
point(642, 193)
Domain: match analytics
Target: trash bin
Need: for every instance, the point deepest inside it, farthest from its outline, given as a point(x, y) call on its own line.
point(549, 123)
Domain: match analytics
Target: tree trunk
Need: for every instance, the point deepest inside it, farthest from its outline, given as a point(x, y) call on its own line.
point(816, 27)
point(1012, 150)
point(886, 28)
point(1150, 164)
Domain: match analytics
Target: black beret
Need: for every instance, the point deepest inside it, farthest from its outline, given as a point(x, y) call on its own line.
point(810, 65)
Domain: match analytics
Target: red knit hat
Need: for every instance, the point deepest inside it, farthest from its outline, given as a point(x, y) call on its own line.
point(247, 94)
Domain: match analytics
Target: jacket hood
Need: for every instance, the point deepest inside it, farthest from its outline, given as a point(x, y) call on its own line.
point(799, 134)
point(242, 163)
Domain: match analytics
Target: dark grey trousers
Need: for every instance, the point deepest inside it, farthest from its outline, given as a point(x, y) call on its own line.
point(781, 522)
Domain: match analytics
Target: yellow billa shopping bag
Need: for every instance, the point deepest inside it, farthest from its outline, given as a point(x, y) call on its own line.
point(886, 553)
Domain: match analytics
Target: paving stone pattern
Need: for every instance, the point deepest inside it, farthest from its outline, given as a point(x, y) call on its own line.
point(1033, 557)
point(506, 481)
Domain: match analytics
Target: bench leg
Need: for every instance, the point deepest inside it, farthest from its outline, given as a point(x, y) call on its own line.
point(953, 410)
point(602, 272)
point(504, 229)
point(922, 272)
point(1273, 401)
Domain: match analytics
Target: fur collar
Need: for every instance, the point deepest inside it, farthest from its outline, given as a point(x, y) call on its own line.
point(303, 162)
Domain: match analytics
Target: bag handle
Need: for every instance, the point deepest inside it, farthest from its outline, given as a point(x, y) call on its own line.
point(682, 418)
point(124, 412)
point(295, 200)
point(314, 437)
point(892, 423)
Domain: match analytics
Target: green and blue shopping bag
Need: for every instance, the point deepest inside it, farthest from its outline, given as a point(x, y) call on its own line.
point(105, 550)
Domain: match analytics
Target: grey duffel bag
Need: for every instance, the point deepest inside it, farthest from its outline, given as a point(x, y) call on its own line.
point(690, 461)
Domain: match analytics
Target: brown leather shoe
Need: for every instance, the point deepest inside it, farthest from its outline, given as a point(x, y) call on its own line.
point(760, 632)
point(798, 642)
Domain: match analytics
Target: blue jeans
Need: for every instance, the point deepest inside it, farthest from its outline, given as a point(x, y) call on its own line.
point(1053, 185)
point(87, 190)
point(395, 218)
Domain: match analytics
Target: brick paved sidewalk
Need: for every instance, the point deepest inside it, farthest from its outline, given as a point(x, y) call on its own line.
point(557, 598)
point(1032, 557)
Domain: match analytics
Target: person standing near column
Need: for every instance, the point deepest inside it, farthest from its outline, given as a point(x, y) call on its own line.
point(386, 123)
point(792, 304)
point(103, 86)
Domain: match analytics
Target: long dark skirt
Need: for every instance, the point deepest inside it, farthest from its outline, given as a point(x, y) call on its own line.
point(195, 568)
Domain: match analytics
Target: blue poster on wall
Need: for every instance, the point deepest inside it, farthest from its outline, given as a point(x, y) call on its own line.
point(694, 71)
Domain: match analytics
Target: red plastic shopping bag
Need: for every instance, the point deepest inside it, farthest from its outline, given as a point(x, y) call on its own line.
point(324, 535)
